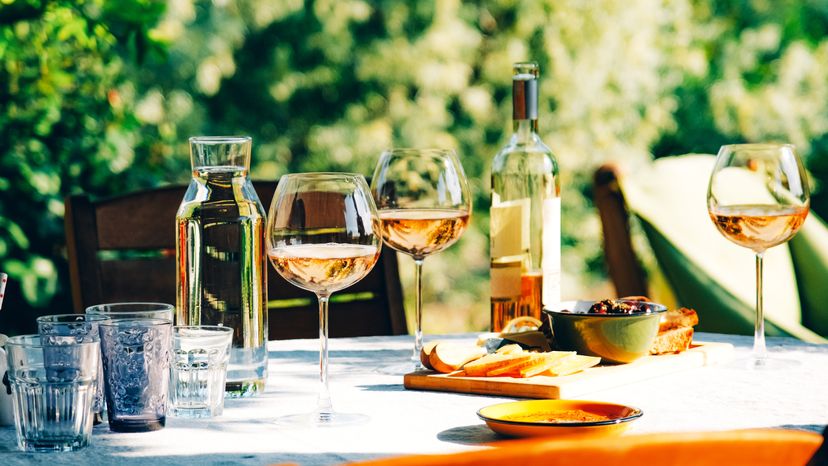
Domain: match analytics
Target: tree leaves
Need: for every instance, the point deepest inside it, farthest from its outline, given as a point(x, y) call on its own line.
point(60, 63)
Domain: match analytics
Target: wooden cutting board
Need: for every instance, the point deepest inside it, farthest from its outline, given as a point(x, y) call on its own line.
point(588, 381)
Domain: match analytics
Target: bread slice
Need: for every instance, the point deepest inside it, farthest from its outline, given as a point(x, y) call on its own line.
point(571, 365)
point(509, 349)
point(482, 366)
point(548, 360)
point(514, 366)
point(448, 357)
point(425, 353)
point(674, 340)
point(675, 318)
point(478, 367)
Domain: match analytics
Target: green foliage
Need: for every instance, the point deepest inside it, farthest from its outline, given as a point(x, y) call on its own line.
point(62, 130)
point(100, 96)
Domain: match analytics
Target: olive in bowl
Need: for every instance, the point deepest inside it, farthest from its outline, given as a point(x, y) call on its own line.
point(618, 331)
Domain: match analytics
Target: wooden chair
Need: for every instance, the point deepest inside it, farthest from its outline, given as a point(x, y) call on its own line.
point(624, 268)
point(123, 249)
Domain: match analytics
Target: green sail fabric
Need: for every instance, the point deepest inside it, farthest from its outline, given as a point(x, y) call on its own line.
point(809, 249)
point(711, 274)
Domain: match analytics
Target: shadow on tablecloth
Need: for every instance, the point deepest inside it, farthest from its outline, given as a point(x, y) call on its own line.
point(469, 435)
point(91, 457)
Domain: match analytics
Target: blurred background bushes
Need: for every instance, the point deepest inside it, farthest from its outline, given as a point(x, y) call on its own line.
point(100, 97)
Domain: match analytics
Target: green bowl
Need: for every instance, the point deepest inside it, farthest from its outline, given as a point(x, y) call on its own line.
point(617, 338)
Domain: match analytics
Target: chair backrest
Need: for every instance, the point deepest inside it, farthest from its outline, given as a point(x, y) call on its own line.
point(123, 249)
point(622, 263)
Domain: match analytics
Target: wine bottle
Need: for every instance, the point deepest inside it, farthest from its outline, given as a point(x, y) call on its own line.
point(525, 228)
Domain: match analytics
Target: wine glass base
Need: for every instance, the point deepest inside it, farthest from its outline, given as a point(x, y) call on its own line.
point(400, 368)
point(771, 363)
point(766, 363)
point(317, 419)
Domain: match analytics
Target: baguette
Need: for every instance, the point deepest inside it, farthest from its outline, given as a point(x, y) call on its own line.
point(514, 366)
point(490, 362)
point(448, 357)
point(571, 365)
point(674, 340)
point(478, 367)
point(425, 353)
point(675, 318)
point(546, 362)
point(509, 349)
point(675, 331)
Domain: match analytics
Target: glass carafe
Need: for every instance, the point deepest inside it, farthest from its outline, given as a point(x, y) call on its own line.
point(221, 277)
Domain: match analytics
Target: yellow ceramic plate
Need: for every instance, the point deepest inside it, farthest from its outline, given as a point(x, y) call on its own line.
point(558, 417)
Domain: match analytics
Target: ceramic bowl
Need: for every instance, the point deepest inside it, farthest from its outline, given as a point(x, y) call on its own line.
point(616, 338)
point(531, 418)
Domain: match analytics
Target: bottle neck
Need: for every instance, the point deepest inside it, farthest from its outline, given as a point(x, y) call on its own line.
point(220, 154)
point(525, 105)
point(524, 130)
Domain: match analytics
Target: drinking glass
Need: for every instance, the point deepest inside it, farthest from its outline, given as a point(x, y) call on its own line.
point(424, 205)
point(134, 310)
point(59, 329)
point(53, 392)
point(758, 198)
point(136, 360)
point(199, 369)
point(323, 235)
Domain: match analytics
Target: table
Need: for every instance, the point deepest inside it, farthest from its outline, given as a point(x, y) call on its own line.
point(406, 422)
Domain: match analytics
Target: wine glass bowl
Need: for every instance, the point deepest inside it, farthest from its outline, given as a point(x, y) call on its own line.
point(758, 227)
point(422, 232)
point(424, 205)
point(758, 198)
point(324, 268)
point(323, 235)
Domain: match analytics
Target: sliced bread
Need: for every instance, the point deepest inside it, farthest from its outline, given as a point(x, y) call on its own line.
point(482, 366)
point(448, 356)
point(675, 318)
point(674, 340)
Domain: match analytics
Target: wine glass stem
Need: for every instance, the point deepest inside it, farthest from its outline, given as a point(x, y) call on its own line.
point(418, 313)
point(324, 405)
point(759, 349)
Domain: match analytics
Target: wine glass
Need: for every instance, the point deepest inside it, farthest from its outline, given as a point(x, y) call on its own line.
point(323, 235)
point(424, 206)
point(758, 198)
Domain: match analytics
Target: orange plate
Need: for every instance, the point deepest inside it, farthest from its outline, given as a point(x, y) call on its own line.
point(530, 418)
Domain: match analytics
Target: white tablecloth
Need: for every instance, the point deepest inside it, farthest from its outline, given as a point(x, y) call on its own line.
point(404, 422)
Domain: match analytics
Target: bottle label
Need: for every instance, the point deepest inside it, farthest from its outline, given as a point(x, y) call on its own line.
point(509, 228)
point(505, 280)
point(551, 261)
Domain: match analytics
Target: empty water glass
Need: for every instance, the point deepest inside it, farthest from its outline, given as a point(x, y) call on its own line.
point(134, 310)
point(53, 392)
point(60, 329)
point(199, 370)
point(136, 362)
